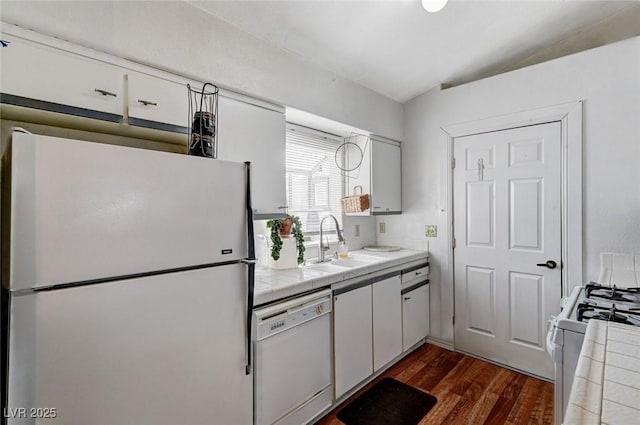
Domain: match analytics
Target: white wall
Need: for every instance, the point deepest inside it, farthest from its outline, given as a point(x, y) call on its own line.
point(606, 78)
point(180, 38)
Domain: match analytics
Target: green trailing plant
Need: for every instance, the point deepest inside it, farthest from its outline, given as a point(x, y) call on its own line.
point(283, 227)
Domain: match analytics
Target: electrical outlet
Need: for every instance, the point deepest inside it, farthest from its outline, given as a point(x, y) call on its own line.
point(431, 231)
point(357, 231)
point(382, 227)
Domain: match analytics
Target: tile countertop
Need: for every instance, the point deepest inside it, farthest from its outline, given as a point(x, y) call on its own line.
point(272, 285)
point(606, 387)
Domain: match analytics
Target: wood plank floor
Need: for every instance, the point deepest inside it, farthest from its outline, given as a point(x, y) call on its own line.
point(469, 391)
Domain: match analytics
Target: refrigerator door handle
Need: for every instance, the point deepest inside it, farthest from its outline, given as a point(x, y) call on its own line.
point(251, 262)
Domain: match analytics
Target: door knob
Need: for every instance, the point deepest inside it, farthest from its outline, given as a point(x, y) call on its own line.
point(549, 264)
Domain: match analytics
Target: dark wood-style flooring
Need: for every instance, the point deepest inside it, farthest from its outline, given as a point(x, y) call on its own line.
point(469, 391)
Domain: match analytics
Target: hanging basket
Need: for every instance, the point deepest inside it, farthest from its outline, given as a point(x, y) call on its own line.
point(359, 202)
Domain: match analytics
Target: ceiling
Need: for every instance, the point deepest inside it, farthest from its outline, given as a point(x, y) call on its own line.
point(396, 48)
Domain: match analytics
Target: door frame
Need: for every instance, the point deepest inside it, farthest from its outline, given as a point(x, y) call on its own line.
point(570, 117)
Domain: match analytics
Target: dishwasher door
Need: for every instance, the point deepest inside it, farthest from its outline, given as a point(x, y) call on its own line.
point(293, 360)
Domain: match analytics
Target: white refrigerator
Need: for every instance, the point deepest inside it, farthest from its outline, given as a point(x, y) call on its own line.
point(130, 282)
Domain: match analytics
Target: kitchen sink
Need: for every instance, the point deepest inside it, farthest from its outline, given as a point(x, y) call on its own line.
point(350, 262)
point(325, 267)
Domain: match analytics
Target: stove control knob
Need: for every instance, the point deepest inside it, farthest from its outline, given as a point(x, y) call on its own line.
point(319, 309)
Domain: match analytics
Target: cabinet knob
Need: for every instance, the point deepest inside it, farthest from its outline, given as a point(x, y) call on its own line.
point(105, 93)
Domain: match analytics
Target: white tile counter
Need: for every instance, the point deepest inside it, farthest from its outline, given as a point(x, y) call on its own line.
point(606, 387)
point(272, 285)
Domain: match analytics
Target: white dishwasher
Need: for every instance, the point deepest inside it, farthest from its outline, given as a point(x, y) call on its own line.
point(292, 345)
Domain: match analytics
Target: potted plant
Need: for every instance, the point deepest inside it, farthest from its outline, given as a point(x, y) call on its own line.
point(284, 228)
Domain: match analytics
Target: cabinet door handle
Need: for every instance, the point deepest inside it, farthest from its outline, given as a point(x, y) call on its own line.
point(283, 207)
point(105, 93)
point(147, 102)
point(376, 208)
point(418, 273)
point(407, 298)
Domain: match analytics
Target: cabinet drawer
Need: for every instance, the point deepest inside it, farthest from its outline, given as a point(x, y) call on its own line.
point(44, 78)
point(154, 101)
point(415, 273)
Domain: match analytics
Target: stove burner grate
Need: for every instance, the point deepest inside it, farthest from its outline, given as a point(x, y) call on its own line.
point(588, 311)
point(612, 293)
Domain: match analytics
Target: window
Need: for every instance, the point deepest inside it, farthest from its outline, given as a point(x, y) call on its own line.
point(314, 181)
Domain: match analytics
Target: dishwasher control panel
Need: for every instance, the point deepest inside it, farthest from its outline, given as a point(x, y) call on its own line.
point(285, 315)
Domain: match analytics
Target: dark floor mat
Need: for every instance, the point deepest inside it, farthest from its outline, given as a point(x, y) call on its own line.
point(388, 402)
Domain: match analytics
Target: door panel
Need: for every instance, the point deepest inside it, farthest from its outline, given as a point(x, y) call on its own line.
point(525, 213)
point(526, 304)
point(480, 216)
point(481, 289)
point(506, 221)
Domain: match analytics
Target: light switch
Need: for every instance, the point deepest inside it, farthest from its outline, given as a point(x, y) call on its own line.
point(431, 231)
point(382, 227)
point(357, 231)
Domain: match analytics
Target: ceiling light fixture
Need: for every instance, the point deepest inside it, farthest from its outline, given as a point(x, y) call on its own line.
point(433, 6)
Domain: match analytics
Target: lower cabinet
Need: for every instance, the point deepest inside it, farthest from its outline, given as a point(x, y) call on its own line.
point(353, 342)
point(387, 321)
point(367, 323)
point(415, 314)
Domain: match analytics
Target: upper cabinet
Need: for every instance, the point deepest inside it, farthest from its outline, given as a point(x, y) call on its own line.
point(256, 133)
point(154, 101)
point(379, 175)
point(41, 77)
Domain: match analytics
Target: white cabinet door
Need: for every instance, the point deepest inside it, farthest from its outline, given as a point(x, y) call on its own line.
point(387, 321)
point(415, 316)
point(380, 176)
point(157, 100)
point(386, 177)
point(70, 83)
point(251, 133)
point(352, 338)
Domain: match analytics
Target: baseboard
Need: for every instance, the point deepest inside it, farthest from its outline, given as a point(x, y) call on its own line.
point(447, 345)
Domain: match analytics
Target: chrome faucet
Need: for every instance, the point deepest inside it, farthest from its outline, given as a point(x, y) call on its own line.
point(321, 247)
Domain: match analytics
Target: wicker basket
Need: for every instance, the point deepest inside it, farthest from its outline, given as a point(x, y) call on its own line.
point(356, 203)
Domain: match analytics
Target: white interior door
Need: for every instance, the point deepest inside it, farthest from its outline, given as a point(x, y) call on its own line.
point(507, 217)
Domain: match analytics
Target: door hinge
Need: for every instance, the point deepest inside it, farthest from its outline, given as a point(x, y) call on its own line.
point(453, 243)
point(453, 163)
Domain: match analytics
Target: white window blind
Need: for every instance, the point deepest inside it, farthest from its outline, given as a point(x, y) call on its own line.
point(314, 181)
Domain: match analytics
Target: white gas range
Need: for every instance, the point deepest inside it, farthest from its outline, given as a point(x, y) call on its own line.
point(566, 332)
